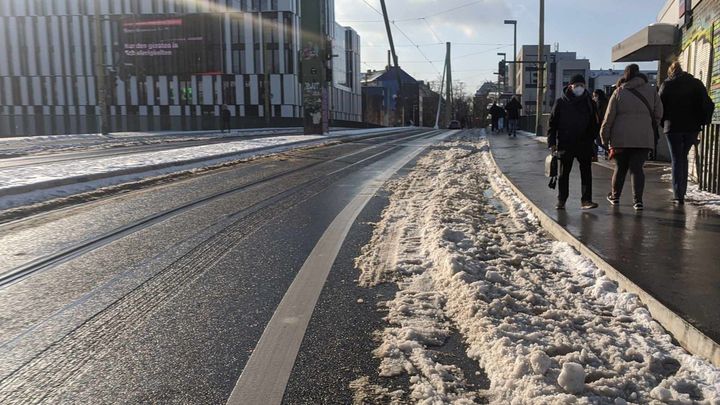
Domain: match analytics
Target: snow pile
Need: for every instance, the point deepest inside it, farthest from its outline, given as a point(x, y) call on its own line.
point(694, 195)
point(545, 324)
point(28, 145)
point(20, 176)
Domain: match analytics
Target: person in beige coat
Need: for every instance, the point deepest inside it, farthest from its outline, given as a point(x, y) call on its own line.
point(629, 131)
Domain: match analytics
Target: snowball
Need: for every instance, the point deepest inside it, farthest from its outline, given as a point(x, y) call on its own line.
point(494, 277)
point(540, 362)
point(661, 394)
point(572, 378)
point(522, 368)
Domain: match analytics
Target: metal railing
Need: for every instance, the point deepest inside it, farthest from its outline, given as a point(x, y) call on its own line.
point(708, 160)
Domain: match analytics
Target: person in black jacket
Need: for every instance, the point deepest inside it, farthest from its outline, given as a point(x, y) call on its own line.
point(225, 117)
point(513, 116)
point(571, 134)
point(496, 112)
point(684, 100)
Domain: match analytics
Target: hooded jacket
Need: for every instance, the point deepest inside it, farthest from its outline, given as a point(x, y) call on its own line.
point(627, 122)
point(496, 111)
point(573, 123)
point(683, 97)
point(513, 109)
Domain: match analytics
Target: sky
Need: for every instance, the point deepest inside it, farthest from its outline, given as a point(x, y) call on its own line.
point(476, 29)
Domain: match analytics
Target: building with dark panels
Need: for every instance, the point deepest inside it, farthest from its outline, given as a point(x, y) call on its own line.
point(381, 101)
point(170, 65)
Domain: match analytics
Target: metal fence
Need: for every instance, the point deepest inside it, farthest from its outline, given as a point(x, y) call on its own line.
point(527, 123)
point(708, 160)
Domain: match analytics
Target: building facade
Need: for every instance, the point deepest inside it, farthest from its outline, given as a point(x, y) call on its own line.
point(561, 67)
point(169, 65)
point(606, 80)
point(687, 31)
point(346, 91)
point(380, 98)
point(526, 78)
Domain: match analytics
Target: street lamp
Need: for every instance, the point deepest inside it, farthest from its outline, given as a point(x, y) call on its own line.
point(514, 24)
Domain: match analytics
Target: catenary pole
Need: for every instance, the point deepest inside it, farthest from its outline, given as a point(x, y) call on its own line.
point(448, 77)
point(541, 73)
point(400, 103)
point(442, 86)
point(100, 75)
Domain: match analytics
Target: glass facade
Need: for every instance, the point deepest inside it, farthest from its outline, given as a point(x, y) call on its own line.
point(170, 64)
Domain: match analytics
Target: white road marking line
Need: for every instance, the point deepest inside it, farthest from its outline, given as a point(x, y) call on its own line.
point(266, 374)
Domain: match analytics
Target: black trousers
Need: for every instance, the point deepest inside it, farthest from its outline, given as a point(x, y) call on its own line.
point(566, 160)
point(632, 160)
point(495, 124)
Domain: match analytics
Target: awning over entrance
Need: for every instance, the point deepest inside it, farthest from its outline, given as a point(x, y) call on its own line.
point(652, 43)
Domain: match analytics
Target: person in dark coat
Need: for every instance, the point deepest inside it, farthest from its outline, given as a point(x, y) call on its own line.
point(513, 116)
point(572, 131)
point(225, 117)
point(601, 103)
point(496, 112)
point(684, 99)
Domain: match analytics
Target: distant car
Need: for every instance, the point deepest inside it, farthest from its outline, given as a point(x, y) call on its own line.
point(454, 125)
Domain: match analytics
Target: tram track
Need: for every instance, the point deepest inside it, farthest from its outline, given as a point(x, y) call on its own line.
point(75, 250)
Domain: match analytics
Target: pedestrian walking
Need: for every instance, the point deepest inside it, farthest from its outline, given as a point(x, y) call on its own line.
point(571, 135)
point(495, 114)
point(686, 108)
point(513, 116)
point(601, 102)
point(225, 117)
point(630, 127)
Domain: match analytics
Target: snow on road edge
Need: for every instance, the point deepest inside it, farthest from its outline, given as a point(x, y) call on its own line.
point(179, 159)
point(544, 322)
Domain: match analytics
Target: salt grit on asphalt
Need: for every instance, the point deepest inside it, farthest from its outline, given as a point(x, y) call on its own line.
point(544, 323)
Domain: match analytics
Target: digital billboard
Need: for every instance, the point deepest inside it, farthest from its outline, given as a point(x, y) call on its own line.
point(177, 45)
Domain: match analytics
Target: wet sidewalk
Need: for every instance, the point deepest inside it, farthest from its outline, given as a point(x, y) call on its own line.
point(673, 253)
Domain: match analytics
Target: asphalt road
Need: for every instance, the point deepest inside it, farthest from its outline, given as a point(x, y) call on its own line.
point(161, 295)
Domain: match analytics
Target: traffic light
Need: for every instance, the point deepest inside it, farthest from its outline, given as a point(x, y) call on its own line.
point(502, 66)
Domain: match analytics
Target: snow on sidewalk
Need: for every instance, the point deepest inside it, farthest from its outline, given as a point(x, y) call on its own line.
point(544, 322)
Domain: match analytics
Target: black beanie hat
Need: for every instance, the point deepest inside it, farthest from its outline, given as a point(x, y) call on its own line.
point(577, 79)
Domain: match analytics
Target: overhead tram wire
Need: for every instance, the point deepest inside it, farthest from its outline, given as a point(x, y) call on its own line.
point(432, 30)
point(418, 18)
point(406, 37)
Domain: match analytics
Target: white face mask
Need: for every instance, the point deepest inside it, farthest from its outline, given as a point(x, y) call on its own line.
point(578, 91)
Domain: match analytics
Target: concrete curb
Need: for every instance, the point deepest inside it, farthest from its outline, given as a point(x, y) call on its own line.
point(689, 337)
point(46, 185)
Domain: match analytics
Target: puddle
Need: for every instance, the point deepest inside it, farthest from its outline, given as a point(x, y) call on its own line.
point(495, 202)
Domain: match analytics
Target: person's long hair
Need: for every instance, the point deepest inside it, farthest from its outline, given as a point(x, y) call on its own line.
point(602, 97)
point(675, 69)
point(631, 71)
